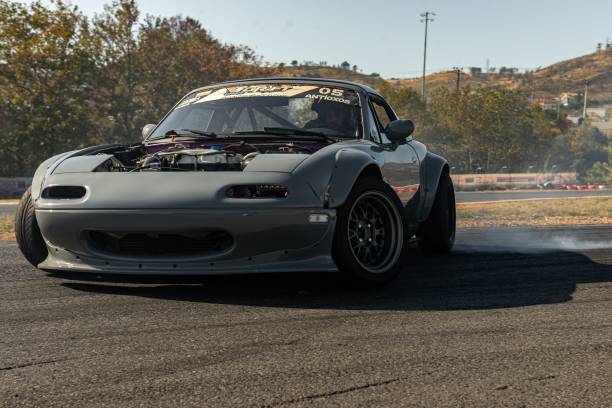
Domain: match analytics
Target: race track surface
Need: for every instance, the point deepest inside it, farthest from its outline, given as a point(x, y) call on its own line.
point(7, 208)
point(514, 317)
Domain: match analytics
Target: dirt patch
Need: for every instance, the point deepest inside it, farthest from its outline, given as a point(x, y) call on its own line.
point(7, 227)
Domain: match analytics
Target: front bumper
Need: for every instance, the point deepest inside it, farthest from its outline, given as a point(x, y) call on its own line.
point(268, 235)
point(263, 241)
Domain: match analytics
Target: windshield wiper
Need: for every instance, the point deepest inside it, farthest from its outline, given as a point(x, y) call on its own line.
point(184, 132)
point(278, 131)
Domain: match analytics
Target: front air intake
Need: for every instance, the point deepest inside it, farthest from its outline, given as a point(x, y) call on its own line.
point(64, 192)
point(161, 243)
point(257, 191)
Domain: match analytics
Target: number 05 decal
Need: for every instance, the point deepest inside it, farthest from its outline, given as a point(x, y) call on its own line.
point(333, 92)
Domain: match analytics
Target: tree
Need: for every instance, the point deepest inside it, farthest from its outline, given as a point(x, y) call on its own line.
point(406, 102)
point(118, 75)
point(345, 65)
point(191, 58)
point(67, 82)
point(488, 127)
point(294, 63)
point(46, 74)
point(599, 173)
point(144, 69)
point(579, 149)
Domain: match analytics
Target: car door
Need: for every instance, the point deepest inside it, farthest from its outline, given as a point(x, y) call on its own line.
point(400, 164)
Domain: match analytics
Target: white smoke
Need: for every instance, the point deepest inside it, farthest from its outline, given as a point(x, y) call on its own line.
point(531, 240)
point(571, 243)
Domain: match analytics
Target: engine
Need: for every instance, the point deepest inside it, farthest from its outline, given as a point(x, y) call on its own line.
point(179, 158)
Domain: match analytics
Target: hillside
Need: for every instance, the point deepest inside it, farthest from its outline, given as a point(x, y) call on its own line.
point(545, 84)
point(572, 74)
point(333, 73)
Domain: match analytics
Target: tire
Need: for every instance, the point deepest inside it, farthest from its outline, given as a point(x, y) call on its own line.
point(369, 234)
point(437, 233)
point(27, 233)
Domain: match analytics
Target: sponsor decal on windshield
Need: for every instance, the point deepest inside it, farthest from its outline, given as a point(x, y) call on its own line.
point(194, 98)
point(315, 92)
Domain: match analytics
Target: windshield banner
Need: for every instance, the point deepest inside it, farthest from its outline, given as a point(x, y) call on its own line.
point(316, 92)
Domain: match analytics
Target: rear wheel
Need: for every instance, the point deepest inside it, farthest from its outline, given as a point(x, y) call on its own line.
point(437, 233)
point(27, 233)
point(369, 234)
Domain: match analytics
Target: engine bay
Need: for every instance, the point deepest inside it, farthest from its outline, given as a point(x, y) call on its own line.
point(194, 157)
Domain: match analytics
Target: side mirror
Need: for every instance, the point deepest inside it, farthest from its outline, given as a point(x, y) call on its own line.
point(399, 130)
point(147, 129)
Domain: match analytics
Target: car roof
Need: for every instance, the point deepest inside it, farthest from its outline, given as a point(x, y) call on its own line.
point(297, 80)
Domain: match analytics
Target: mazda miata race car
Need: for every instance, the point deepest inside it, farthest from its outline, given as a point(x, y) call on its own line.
point(266, 175)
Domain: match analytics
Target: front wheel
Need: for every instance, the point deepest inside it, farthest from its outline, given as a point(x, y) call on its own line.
point(369, 236)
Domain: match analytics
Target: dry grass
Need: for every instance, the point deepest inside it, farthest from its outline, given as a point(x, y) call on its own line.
point(7, 226)
point(588, 210)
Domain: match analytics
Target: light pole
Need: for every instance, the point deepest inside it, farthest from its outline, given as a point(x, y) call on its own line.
point(586, 95)
point(458, 72)
point(427, 17)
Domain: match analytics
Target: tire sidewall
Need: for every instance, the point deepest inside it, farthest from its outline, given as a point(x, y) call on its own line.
point(437, 233)
point(27, 233)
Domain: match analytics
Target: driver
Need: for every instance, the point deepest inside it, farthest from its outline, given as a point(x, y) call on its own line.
point(333, 116)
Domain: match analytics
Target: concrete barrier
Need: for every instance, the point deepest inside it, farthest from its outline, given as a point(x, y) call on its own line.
point(14, 187)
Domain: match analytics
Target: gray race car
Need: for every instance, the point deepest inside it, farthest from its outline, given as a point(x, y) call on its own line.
point(264, 175)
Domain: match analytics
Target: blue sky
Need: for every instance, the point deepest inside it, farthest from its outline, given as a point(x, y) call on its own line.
point(386, 36)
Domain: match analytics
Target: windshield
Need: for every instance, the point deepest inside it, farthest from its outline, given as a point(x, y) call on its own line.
point(331, 111)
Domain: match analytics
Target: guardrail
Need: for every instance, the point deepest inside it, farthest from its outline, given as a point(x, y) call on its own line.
point(519, 179)
point(510, 181)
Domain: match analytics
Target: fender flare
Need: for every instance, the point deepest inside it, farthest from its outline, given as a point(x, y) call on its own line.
point(348, 167)
point(432, 169)
point(332, 174)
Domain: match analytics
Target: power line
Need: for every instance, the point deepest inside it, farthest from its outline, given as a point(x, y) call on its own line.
point(427, 17)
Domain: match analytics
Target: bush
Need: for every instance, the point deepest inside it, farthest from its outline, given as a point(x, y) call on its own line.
point(600, 173)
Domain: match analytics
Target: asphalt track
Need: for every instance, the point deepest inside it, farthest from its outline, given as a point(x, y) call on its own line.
point(462, 197)
point(7, 208)
point(514, 317)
